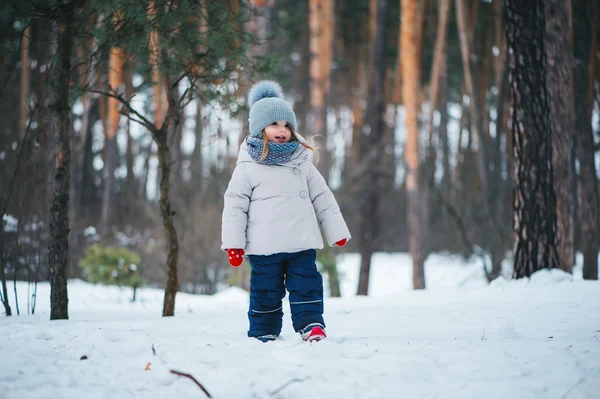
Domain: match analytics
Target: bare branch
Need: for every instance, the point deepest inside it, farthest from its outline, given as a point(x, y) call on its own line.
point(179, 79)
point(142, 119)
point(180, 101)
point(281, 388)
point(191, 377)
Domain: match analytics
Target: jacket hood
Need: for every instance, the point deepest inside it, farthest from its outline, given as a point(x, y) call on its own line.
point(299, 156)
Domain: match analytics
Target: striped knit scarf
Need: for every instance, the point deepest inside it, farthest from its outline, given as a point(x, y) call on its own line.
point(279, 153)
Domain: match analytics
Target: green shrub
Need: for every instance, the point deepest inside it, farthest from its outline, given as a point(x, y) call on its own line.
point(112, 266)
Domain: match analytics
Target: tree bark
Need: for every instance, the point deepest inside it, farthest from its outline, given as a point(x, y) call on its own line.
point(534, 200)
point(166, 211)
point(171, 125)
point(439, 60)
point(501, 150)
point(371, 147)
point(560, 82)
point(131, 187)
point(197, 162)
point(321, 44)
point(494, 237)
point(443, 130)
point(411, 78)
point(115, 81)
point(59, 212)
point(588, 182)
point(25, 81)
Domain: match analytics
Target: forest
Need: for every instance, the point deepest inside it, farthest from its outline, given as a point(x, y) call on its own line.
point(469, 127)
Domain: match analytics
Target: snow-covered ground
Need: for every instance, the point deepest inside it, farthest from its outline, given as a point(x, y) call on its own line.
point(460, 338)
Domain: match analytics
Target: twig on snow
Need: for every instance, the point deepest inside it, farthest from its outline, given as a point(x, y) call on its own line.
point(179, 373)
point(281, 388)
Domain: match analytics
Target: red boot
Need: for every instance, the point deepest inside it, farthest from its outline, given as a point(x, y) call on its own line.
point(313, 332)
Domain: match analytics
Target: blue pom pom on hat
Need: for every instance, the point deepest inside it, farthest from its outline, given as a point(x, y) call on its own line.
point(268, 106)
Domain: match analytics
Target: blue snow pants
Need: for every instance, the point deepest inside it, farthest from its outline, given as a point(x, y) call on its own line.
point(271, 275)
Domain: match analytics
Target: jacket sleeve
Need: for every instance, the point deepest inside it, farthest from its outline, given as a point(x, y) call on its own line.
point(235, 210)
point(327, 209)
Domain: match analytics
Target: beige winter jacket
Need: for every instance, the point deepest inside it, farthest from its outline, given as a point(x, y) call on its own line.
point(278, 208)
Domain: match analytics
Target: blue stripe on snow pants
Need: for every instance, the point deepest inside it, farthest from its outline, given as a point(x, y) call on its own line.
point(271, 275)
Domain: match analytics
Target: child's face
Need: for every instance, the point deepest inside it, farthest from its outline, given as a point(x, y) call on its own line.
point(279, 132)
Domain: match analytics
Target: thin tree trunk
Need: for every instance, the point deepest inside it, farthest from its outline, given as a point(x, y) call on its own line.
point(439, 60)
point(197, 162)
point(588, 182)
point(500, 163)
point(176, 168)
point(87, 191)
point(258, 27)
point(167, 127)
point(130, 189)
point(166, 211)
point(25, 81)
point(115, 80)
point(593, 51)
point(443, 130)
point(301, 73)
point(494, 237)
point(5, 300)
point(559, 78)
point(321, 46)
point(371, 144)
point(411, 78)
point(144, 188)
point(59, 212)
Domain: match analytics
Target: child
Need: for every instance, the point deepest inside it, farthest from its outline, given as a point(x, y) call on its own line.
point(273, 202)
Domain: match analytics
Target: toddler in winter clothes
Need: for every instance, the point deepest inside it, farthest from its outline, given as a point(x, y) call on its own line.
point(274, 204)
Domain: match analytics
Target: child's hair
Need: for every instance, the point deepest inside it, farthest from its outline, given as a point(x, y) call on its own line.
point(304, 144)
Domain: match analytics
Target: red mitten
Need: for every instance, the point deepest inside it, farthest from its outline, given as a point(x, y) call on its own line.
point(236, 257)
point(341, 242)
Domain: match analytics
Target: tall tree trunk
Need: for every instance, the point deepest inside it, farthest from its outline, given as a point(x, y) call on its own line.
point(176, 168)
point(411, 78)
point(130, 189)
point(197, 162)
point(588, 182)
point(166, 211)
point(59, 212)
point(301, 74)
point(161, 130)
point(559, 79)
point(321, 46)
point(258, 26)
point(88, 189)
point(371, 147)
point(443, 130)
point(115, 80)
point(501, 150)
point(25, 81)
point(439, 60)
point(534, 203)
point(321, 49)
point(593, 51)
point(477, 126)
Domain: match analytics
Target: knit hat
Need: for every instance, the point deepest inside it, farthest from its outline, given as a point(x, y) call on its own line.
point(268, 106)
